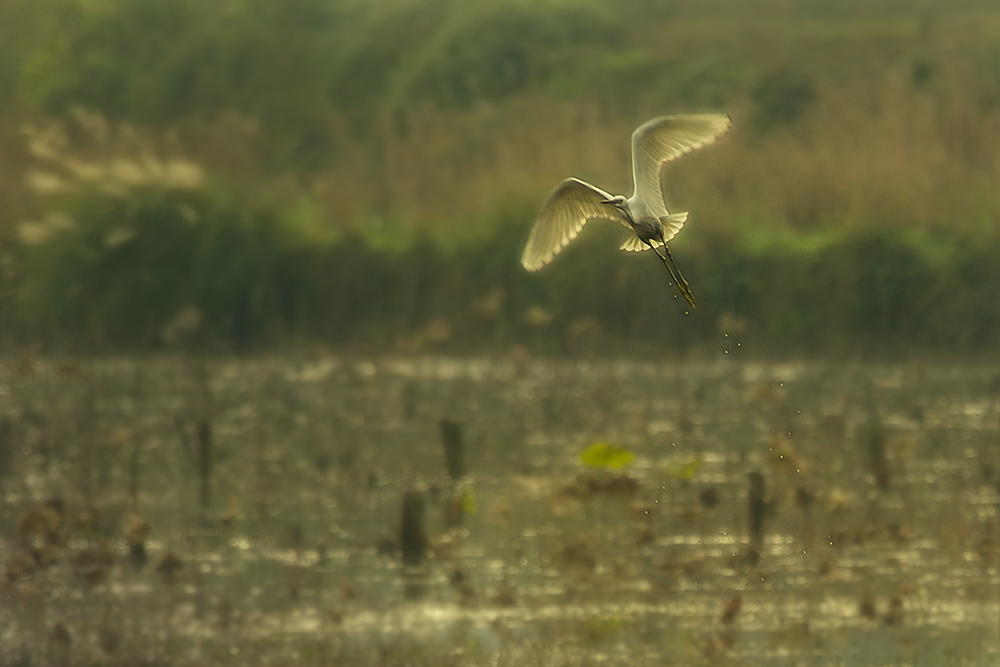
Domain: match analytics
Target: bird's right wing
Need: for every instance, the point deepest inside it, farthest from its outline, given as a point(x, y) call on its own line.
point(564, 213)
point(664, 139)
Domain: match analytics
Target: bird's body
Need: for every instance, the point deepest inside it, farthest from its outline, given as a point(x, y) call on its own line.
point(573, 202)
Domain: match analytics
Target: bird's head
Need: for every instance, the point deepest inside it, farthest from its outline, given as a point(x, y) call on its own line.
point(618, 201)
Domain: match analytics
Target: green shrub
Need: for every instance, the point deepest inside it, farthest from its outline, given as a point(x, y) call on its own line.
point(130, 264)
point(782, 97)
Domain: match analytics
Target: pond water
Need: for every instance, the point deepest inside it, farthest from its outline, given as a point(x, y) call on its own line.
point(251, 511)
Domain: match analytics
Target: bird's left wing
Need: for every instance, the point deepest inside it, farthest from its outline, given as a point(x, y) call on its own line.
point(564, 213)
point(664, 139)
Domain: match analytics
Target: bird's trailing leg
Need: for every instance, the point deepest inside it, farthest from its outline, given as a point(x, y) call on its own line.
point(675, 272)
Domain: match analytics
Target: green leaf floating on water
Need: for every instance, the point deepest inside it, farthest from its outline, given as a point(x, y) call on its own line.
point(606, 455)
point(469, 503)
point(682, 469)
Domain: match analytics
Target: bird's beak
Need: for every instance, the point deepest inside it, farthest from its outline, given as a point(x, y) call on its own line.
point(607, 201)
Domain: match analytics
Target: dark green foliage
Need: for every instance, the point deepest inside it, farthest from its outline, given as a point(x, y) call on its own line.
point(782, 97)
point(482, 63)
point(132, 264)
point(495, 54)
point(155, 63)
point(450, 56)
point(923, 72)
point(886, 272)
point(867, 292)
point(370, 56)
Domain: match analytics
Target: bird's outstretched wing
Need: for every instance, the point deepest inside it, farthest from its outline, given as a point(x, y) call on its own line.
point(564, 213)
point(664, 139)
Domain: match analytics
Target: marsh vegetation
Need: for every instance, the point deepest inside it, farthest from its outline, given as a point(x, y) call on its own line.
point(612, 512)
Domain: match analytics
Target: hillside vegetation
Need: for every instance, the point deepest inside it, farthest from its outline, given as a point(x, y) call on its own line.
point(242, 174)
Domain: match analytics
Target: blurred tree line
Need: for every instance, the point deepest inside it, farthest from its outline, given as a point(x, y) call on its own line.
point(242, 173)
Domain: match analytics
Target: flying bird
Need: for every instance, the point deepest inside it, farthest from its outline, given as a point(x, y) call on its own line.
point(573, 202)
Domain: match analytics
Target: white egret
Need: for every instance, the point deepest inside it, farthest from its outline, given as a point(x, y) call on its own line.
point(573, 202)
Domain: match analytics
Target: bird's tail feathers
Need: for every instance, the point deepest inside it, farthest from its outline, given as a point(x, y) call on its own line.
point(634, 244)
point(672, 224)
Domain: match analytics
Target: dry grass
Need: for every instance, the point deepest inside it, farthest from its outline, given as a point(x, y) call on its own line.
point(876, 147)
